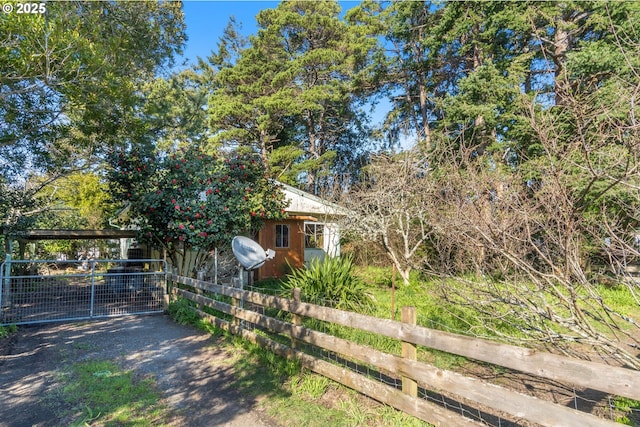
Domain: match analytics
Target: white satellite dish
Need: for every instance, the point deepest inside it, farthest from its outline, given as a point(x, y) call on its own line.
point(249, 253)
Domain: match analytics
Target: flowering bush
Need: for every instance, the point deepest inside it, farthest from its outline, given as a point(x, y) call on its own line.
point(194, 200)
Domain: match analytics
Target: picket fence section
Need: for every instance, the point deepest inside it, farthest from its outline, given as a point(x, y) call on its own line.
point(608, 379)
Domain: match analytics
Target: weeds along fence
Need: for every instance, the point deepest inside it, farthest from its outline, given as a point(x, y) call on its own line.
point(307, 332)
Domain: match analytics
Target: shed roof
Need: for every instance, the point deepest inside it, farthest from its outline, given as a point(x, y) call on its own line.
point(303, 203)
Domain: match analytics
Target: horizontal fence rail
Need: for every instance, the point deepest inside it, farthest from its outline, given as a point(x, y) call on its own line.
point(244, 308)
point(41, 291)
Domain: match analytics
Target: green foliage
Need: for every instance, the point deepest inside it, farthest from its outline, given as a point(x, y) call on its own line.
point(17, 205)
point(525, 114)
point(626, 406)
point(175, 109)
point(289, 94)
point(100, 390)
point(332, 281)
point(92, 92)
point(79, 200)
point(191, 199)
point(5, 331)
point(70, 83)
point(183, 312)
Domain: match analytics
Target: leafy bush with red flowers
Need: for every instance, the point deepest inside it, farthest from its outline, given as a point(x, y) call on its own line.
point(193, 200)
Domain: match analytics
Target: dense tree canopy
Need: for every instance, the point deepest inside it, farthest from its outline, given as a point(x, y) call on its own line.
point(71, 77)
point(193, 201)
point(70, 87)
point(525, 114)
point(290, 94)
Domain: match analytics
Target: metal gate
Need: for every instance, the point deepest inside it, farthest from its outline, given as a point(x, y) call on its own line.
point(50, 291)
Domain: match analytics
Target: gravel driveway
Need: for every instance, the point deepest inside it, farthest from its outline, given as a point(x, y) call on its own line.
point(193, 371)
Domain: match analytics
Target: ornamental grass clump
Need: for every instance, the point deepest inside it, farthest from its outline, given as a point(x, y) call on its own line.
point(331, 281)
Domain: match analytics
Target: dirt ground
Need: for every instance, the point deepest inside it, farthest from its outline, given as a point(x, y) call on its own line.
point(192, 370)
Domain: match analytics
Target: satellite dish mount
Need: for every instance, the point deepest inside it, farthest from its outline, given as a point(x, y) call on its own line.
point(250, 255)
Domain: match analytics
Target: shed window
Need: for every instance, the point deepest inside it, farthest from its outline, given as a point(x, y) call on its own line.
point(313, 236)
point(282, 236)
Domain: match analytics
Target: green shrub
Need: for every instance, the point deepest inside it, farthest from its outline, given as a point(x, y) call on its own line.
point(331, 280)
point(5, 331)
point(183, 312)
point(626, 407)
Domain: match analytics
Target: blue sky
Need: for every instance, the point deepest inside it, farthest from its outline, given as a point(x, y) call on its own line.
point(206, 20)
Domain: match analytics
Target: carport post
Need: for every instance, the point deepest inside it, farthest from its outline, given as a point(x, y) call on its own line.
point(93, 287)
point(5, 286)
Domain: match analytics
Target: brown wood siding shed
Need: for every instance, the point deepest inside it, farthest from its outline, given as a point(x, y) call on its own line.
point(277, 267)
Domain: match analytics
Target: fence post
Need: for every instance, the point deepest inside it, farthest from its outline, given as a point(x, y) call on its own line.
point(167, 286)
point(200, 276)
point(93, 288)
point(295, 319)
point(409, 351)
point(235, 302)
point(5, 287)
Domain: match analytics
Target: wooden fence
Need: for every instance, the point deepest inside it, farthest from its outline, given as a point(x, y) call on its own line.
point(590, 375)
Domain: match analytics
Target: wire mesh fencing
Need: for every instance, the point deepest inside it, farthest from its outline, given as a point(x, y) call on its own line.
point(603, 405)
point(482, 389)
point(48, 291)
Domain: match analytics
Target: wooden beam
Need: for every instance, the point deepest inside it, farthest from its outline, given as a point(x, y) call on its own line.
point(420, 408)
point(76, 234)
point(616, 380)
point(302, 217)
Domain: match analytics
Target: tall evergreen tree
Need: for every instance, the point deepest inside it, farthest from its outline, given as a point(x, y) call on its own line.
point(290, 92)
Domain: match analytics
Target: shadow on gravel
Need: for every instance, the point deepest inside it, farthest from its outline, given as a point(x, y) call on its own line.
point(193, 372)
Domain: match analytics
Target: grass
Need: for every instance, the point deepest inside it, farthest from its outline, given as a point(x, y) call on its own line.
point(5, 331)
point(101, 392)
point(420, 294)
point(627, 407)
point(315, 401)
point(621, 299)
point(297, 397)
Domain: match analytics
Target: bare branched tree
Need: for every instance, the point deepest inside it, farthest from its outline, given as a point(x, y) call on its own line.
point(391, 207)
point(556, 232)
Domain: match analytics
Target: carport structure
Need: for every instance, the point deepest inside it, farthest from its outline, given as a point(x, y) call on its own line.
point(39, 291)
point(36, 235)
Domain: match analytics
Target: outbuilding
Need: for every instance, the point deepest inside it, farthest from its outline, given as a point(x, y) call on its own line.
point(309, 231)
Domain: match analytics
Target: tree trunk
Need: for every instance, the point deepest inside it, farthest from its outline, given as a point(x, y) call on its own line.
point(404, 271)
point(425, 112)
point(312, 174)
point(265, 139)
point(562, 44)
